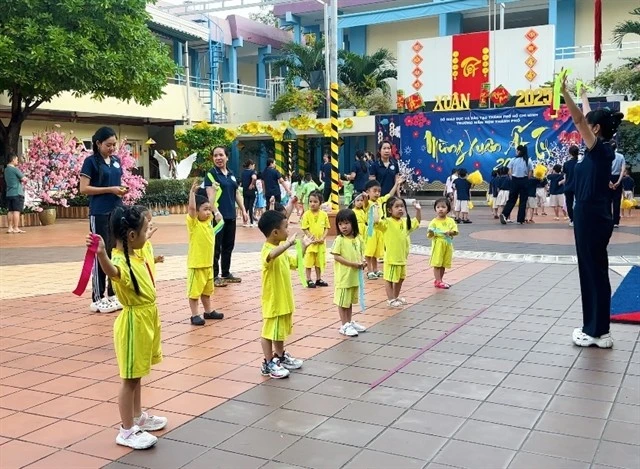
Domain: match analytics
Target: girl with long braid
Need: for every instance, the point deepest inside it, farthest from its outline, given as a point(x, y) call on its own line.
point(136, 330)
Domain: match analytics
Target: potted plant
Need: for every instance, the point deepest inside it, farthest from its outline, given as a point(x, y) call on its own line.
point(378, 103)
point(346, 108)
point(296, 102)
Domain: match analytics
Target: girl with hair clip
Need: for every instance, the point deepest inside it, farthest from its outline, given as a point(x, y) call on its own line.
point(592, 218)
point(136, 330)
point(396, 227)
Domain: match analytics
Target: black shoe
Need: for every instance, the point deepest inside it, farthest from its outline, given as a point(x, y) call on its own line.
point(311, 284)
point(213, 315)
point(197, 321)
point(467, 221)
point(321, 283)
point(457, 220)
point(503, 219)
point(231, 279)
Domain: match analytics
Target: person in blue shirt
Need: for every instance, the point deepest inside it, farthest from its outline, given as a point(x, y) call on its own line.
point(325, 176)
point(249, 178)
point(569, 183)
point(385, 168)
point(520, 170)
point(220, 178)
point(463, 196)
point(556, 196)
point(592, 218)
point(101, 180)
point(532, 188)
point(272, 180)
point(360, 174)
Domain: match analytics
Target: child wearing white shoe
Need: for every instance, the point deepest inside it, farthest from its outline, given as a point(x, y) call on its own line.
point(348, 253)
point(396, 227)
point(136, 331)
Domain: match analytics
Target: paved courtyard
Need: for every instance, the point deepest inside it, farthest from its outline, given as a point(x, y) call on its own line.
point(498, 383)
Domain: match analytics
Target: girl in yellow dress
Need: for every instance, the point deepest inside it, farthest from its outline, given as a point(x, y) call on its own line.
point(147, 250)
point(136, 330)
point(396, 228)
point(441, 230)
point(361, 214)
point(315, 225)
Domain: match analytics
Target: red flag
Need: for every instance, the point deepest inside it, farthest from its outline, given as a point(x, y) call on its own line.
point(597, 31)
point(470, 63)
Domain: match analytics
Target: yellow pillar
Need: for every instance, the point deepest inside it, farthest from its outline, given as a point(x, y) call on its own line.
point(335, 173)
point(279, 154)
point(302, 156)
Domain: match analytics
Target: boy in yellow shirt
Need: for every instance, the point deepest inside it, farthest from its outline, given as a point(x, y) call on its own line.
point(277, 294)
point(374, 244)
point(199, 257)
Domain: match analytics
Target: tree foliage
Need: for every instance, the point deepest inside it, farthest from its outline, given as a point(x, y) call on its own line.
point(99, 48)
point(265, 16)
point(629, 142)
point(367, 73)
point(202, 138)
point(301, 60)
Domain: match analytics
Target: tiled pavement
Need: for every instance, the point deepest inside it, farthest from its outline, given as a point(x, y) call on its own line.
point(505, 390)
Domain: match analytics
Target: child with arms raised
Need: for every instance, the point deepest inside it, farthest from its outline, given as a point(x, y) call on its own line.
point(315, 224)
point(136, 330)
point(348, 253)
point(199, 264)
point(441, 231)
point(277, 295)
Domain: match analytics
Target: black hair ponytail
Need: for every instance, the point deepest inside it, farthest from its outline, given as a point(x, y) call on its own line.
point(523, 152)
point(123, 220)
point(608, 120)
point(102, 134)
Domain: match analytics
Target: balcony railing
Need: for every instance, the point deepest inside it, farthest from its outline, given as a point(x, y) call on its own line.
point(242, 89)
point(588, 51)
point(276, 87)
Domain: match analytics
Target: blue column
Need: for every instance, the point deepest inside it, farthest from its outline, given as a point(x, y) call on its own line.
point(261, 74)
point(358, 40)
point(235, 158)
point(233, 59)
point(319, 152)
point(450, 23)
point(294, 20)
point(562, 14)
point(262, 158)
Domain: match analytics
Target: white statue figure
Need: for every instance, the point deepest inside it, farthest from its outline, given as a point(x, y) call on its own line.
point(172, 170)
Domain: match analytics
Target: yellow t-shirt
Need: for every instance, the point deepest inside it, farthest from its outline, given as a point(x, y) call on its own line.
point(396, 239)
point(381, 210)
point(147, 254)
point(201, 243)
point(361, 216)
point(124, 288)
point(442, 224)
point(277, 294)
point(316, 223)
point(352, 250)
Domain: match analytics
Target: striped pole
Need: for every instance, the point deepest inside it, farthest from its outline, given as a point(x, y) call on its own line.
point(335, 174)
point(290, 160)
point(279, 150)
point(302, 156)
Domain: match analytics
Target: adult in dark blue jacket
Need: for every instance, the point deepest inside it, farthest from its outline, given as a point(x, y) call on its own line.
point(360, 174)
point(272, 180)
point(569, 179)
point(385, 168)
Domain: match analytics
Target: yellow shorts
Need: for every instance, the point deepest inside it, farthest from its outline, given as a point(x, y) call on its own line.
point(394, 273)
point(345, 297)
point(278, 328)
point(136, 340)
point(199, 282)
point(374, 246)
point(315, 259)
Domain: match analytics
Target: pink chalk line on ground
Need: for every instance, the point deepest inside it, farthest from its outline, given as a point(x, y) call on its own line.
point(429, 346)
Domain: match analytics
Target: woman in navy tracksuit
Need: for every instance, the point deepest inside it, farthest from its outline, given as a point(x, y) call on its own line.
point(592, 219)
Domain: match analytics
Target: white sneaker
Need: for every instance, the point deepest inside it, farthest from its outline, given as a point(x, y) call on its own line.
point(358, 327)
point(583, 340)
point(402, 300)
point(394, 303)
point(135, 438)
point(289, 362)
point(116, 303)
point(103, 306)
point(348, 330)
point(150, 423)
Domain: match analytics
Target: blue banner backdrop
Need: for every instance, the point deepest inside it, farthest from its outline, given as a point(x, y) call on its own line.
point(434, 143)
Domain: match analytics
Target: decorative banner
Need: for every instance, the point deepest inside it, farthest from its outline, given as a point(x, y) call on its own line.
point(470, 63)
point(531, 49)
point(417, 60)
point(500, 96)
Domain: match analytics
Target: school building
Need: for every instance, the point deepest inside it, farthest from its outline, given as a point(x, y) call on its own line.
point(229, 77)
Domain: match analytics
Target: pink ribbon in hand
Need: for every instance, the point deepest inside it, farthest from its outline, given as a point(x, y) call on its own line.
point(89, 257)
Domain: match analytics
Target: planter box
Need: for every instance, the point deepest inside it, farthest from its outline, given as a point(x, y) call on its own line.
point(172, 209)
point(287, 116)
point(26, 219)
point(72, 212)
point(347, 112)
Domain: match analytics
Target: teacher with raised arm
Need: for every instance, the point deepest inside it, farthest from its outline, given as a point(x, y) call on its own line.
point(520, 170)
point(220, 178)
point(592, 219)
point(384, 169)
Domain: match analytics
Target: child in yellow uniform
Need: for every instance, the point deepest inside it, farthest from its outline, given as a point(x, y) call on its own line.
point(441, 231)
point(361, 215)
point(147, 250)
point(199, 257)
point(315, 224)
point(348, 254)
point(277, 295)
point(396, 228)
point(136, 330)
point(374, 244)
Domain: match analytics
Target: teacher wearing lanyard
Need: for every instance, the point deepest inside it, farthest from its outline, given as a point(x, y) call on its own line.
point(100, 179)
point(384, 170)
point(226, 183)
point(592, 220)
point(617, 172)
point(520, 170)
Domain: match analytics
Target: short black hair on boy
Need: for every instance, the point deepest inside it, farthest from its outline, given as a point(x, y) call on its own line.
point(348, 215)
point(201, 200)
point(462, 172)
point(557, 168)
point(442, 200)
point(317, 195)
point(370, 184)
point(269, 221)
